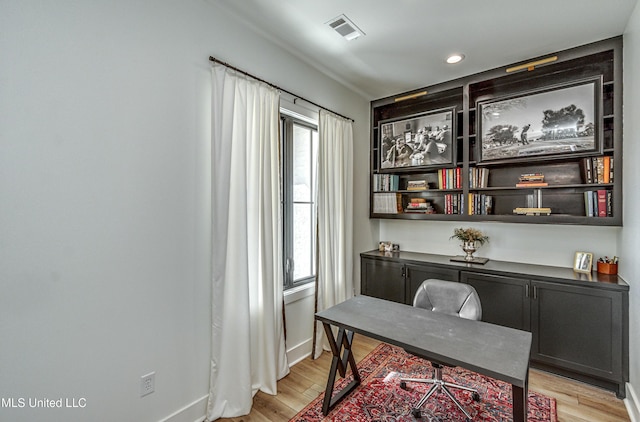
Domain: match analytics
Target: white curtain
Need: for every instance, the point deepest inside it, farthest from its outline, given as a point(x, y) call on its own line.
point(248, 350)
point(335, 217)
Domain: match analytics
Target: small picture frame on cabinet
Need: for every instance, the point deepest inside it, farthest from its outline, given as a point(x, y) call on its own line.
point(583, 262)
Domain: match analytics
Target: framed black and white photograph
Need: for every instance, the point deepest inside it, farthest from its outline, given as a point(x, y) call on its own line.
point(420, 140)
point(583, 262)
point(557, 120)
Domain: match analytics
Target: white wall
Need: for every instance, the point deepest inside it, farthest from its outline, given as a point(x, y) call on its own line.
point(529, 243)
point(629, 243)
point(104, 232)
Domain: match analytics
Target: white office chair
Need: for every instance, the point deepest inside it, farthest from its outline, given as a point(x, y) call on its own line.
point(452, 298)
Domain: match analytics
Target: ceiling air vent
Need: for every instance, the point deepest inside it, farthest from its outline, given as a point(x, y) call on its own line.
point(347, 29)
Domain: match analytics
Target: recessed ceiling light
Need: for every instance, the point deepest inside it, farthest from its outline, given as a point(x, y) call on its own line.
point(455, 58)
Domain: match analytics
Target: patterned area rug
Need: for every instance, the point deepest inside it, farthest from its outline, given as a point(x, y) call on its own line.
point(380, 398)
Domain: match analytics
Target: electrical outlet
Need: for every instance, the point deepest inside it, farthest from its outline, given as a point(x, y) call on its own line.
point(147, 384)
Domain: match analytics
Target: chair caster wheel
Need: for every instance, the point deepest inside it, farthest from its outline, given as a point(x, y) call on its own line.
point(416, 413)
point(403, 385)
point(475, 396)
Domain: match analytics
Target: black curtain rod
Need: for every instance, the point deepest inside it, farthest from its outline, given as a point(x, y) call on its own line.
point(213, 59)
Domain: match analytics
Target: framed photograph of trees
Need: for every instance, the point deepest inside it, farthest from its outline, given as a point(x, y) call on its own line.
point(557, 120)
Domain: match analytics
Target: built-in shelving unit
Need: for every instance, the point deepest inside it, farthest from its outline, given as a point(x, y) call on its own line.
point(468, 188)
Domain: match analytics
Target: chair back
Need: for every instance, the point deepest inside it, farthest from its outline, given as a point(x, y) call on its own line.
point(449, 297)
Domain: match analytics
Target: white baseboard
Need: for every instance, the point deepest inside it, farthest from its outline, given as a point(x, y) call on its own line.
point(193, 412)
point(197, 411)
point(299, 352)
point(632, 404)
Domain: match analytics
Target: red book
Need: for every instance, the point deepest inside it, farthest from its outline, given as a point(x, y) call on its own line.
point(602, 203)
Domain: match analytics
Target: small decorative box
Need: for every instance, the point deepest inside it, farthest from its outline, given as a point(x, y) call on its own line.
point(604, 268)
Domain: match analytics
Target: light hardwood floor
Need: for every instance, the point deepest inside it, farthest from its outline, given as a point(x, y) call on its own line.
point(576, 402)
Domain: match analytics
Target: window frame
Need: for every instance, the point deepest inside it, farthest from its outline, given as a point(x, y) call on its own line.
point(287, 122)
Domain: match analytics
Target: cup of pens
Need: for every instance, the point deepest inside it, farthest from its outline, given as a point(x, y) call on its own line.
point(608, 265)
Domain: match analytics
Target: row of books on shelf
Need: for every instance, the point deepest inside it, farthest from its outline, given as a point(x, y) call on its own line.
point(597, 169)
point(480, 204)
point(447, 179)
point(454, 203)
point(386, 182)
point(450, 178)
point(598, 203)
point(387, 203)
point(478, 177)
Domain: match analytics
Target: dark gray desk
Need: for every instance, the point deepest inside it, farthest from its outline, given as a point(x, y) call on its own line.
point(498, 352)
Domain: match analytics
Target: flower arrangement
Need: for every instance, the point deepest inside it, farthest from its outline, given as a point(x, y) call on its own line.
point(470, 235)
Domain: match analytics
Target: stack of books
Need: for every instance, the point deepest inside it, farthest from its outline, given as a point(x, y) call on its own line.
point(531, 180)
point(417, 185)
point(532, 211)
point(419, 205)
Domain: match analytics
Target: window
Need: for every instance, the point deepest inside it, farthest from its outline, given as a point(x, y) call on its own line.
point(299, 146)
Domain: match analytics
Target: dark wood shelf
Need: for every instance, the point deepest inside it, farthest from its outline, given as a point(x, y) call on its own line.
point(588, 186)
point(564, 173)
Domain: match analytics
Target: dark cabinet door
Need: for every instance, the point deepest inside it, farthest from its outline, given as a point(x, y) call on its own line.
point(578, 328)
point(505, 300)
point(383, 279)
point(416, 274)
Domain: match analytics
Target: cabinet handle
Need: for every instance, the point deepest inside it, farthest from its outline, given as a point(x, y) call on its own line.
point(535, 292)
point(526, 290)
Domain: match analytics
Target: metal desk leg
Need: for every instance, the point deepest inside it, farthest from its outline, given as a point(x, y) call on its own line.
point(339, 364)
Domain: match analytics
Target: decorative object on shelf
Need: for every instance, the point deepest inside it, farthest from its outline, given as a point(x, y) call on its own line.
point(583, 262)
point(558, 120)
point(608, 265)
point(471, 239)
point(385, 246)
point(420, 140)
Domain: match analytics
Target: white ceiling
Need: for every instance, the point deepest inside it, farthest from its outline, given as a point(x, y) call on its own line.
point(407, 41)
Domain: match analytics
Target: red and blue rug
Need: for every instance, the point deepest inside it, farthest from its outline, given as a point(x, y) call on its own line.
point(380, 398)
